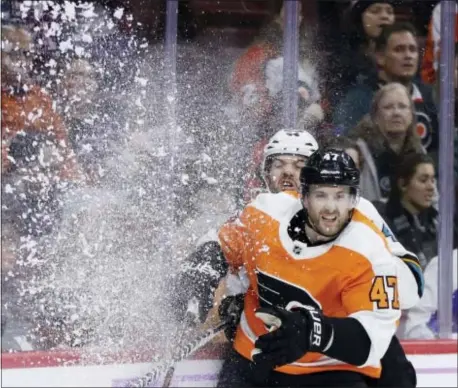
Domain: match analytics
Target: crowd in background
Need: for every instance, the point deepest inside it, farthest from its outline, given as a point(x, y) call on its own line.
point(63, 91)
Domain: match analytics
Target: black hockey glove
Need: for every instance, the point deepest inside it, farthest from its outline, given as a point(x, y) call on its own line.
point(197, 281)
point(293, 333)
point(231, 309)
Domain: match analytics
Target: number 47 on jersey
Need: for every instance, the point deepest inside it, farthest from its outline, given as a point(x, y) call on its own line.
point(380, 294)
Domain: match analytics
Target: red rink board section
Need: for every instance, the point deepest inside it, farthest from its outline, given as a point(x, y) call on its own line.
point(68, 358)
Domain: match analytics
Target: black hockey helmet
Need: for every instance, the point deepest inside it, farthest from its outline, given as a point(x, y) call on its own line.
point(330, 166)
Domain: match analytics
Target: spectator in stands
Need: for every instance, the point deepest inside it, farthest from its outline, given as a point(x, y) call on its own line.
point(430, 64)
point(384, 135)
point(397, 57)
point(257, 80)
point(409, 212)
point(351, 147)
point(31, 187)
point(80, 107)
point(356, 49)
point(25, 106)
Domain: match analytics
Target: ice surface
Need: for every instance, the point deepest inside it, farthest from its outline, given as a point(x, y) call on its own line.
point(432, 371)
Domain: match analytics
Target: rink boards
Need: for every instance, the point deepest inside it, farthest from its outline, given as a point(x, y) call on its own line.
point(435, 362)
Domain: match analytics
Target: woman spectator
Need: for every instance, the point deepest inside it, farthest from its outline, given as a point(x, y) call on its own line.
point(357, 55)
point(383, 136)
point(409, 211)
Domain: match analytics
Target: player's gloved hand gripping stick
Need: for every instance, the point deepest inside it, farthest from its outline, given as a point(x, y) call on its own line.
point(294, 331)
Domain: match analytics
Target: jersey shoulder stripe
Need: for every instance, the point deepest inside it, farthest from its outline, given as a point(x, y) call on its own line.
point(363, 237)
point(276, 206)
point(366, 208)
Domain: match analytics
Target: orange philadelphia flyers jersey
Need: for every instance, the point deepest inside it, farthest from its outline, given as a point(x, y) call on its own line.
point(354, 276)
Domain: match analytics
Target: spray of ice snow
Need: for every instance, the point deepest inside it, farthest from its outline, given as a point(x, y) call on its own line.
point(104, 273)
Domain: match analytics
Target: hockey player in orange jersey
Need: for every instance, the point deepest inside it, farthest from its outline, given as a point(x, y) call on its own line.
point(286, 245)
point(283, 157)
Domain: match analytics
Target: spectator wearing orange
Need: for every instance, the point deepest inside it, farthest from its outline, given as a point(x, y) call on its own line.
point(383, 136)
point(430, 64)
point(25, 106)
point(397, 56)
point(257, 80)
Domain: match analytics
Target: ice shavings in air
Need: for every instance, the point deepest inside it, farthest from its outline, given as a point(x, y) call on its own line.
point(100, 257)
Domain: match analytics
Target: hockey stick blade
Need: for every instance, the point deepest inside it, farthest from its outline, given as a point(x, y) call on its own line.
point(181, 354)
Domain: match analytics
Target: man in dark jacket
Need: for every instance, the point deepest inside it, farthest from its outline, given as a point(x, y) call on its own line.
point(397, 55)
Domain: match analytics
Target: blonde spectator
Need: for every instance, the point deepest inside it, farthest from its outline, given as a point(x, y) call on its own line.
point(384, 135)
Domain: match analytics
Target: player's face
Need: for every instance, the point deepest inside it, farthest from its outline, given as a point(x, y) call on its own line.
point(329, 208)
point(284, 173)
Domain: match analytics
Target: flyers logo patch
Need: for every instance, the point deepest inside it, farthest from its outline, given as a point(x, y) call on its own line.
point(422, 131)
point(424, 128)
point(273, 291)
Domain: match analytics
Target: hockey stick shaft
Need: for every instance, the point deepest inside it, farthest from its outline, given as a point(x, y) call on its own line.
point(187, 322)
point(181, 354)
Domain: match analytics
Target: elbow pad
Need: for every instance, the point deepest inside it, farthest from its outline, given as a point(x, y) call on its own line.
point(198, 278)
point(206, 264)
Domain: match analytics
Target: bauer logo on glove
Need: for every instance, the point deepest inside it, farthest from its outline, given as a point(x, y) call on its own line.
point(293, 332)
